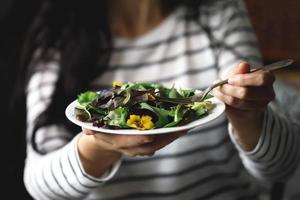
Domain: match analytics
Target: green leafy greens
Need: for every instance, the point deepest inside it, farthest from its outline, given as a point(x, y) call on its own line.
point(139, 106)
point(84, 99)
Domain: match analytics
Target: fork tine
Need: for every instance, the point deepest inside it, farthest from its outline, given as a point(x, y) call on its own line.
point(205, 93)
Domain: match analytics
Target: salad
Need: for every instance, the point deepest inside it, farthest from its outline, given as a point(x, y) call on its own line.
point(140, 106)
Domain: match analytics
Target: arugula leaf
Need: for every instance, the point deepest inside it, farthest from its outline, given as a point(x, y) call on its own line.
point(86, 98)
point(178, 115)
point(171, 124)
point(117, 117)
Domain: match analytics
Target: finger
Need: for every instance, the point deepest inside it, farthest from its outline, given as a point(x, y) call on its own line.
point(136, 152)
point(150, 148)
point(88, 131)
point(164, 139)
point(262, 78)
point(248, 93)
point(241, 68)
point(125, 141)
point(240, 104)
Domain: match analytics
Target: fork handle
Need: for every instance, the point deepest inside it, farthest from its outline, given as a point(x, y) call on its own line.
point(219, 84)
point(270, 67)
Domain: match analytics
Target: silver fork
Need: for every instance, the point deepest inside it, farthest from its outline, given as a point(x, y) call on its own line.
point(200, 97)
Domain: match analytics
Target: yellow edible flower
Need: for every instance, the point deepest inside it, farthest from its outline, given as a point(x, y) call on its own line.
point(117, 84)
point(140, 122)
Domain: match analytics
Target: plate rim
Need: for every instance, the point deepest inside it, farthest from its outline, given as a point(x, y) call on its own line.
point(189, 126)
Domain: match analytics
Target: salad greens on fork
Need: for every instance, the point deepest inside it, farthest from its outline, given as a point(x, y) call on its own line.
point(141, 106)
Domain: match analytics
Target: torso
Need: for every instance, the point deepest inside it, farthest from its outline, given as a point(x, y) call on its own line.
point(201, 165)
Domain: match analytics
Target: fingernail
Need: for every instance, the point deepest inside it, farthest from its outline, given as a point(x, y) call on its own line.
point(148, 139)
point(244, 63)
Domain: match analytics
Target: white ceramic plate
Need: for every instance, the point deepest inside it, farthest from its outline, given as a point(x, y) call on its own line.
point(218, 109)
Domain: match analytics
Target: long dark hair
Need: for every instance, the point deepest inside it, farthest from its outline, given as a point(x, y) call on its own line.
point(79, 31)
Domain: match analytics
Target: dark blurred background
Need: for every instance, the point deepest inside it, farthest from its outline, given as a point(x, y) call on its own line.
point(276, 22)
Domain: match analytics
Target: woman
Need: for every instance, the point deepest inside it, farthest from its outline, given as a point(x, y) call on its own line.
point(80, 46)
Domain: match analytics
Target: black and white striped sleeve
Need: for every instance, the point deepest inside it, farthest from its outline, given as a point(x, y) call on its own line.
point(276, 156)
point(57, 174)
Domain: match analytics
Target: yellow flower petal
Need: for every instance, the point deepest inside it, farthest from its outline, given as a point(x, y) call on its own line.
point(117, 84)
point(147, 122)
point(140, 123)
point(133, 121)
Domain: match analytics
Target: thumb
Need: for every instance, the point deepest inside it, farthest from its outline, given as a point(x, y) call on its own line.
point(241, 68)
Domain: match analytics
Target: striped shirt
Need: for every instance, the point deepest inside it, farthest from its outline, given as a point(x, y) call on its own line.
point(207, 163)
point(286, 94)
